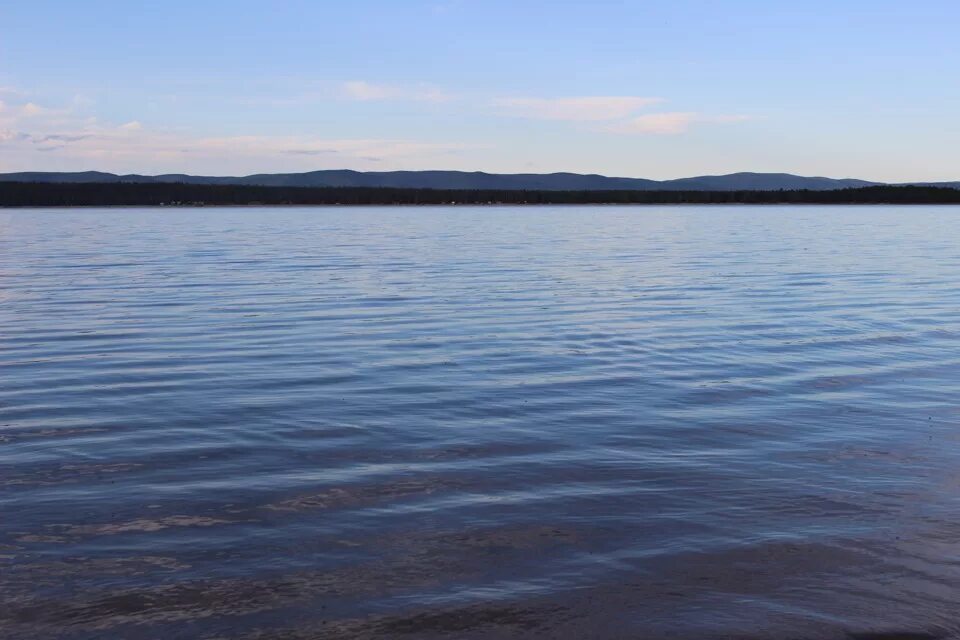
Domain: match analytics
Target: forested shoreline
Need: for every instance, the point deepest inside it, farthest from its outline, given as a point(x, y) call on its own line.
point(31, 194)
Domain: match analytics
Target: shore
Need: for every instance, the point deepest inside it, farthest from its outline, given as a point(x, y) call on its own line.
point(31, 194)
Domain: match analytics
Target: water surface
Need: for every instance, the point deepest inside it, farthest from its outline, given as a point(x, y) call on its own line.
point(564, 422)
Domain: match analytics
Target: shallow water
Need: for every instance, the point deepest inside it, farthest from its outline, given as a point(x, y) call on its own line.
point(564, 422)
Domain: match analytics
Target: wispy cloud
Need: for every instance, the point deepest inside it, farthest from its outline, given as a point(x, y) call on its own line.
point(18, 114)
point(658, 123)
point(617, 114)
point(31, 110)
point(668, 123)
point(583, 108)
point(59, 137)
point(130, 147)
point(308, 152)
point(78, 139)
point(368, 91)
point(67, 135)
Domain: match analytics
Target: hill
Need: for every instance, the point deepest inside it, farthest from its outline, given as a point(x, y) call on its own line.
point(468, 180)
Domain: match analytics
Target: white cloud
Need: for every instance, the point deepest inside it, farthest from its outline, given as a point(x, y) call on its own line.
point(367, 91)
point(13, 113)
point(131, 126)
point(360, 90)
point(584, 108)
point(30, 110)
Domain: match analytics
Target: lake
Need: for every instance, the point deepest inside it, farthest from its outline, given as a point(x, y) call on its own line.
point(500, 422)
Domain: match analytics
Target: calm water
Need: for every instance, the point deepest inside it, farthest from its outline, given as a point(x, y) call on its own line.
point(581, 422)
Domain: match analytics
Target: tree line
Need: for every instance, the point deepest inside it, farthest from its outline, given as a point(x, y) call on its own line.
point(31, 194)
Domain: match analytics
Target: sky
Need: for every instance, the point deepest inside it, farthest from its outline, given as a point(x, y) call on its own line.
point(644, 88)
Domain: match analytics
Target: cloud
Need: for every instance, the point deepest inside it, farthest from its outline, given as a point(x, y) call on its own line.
point(127, 149)
point(18, 115)
point(308, 152)
point(658, 123)
point(668, 123)
point(617, 114)
point(368, 92)
point(360, 90)
point(79, 138)
point(30, 110)
point(59, 137)
point(583, 109)
point(34, 110)
point(8, 135)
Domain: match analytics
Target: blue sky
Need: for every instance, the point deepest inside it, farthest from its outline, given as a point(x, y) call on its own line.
point(653, 88)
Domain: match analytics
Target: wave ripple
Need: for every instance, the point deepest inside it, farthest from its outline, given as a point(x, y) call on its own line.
point(601, 422)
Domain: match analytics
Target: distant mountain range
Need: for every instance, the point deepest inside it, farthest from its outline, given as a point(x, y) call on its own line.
point(475, 180)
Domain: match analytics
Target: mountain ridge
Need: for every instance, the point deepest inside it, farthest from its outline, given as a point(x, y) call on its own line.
point(562, 181)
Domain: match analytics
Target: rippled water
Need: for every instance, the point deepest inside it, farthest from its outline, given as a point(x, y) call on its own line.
point(571, 422)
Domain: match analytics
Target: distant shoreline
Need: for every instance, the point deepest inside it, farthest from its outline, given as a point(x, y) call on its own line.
point(768, 205)
point(180, 195)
